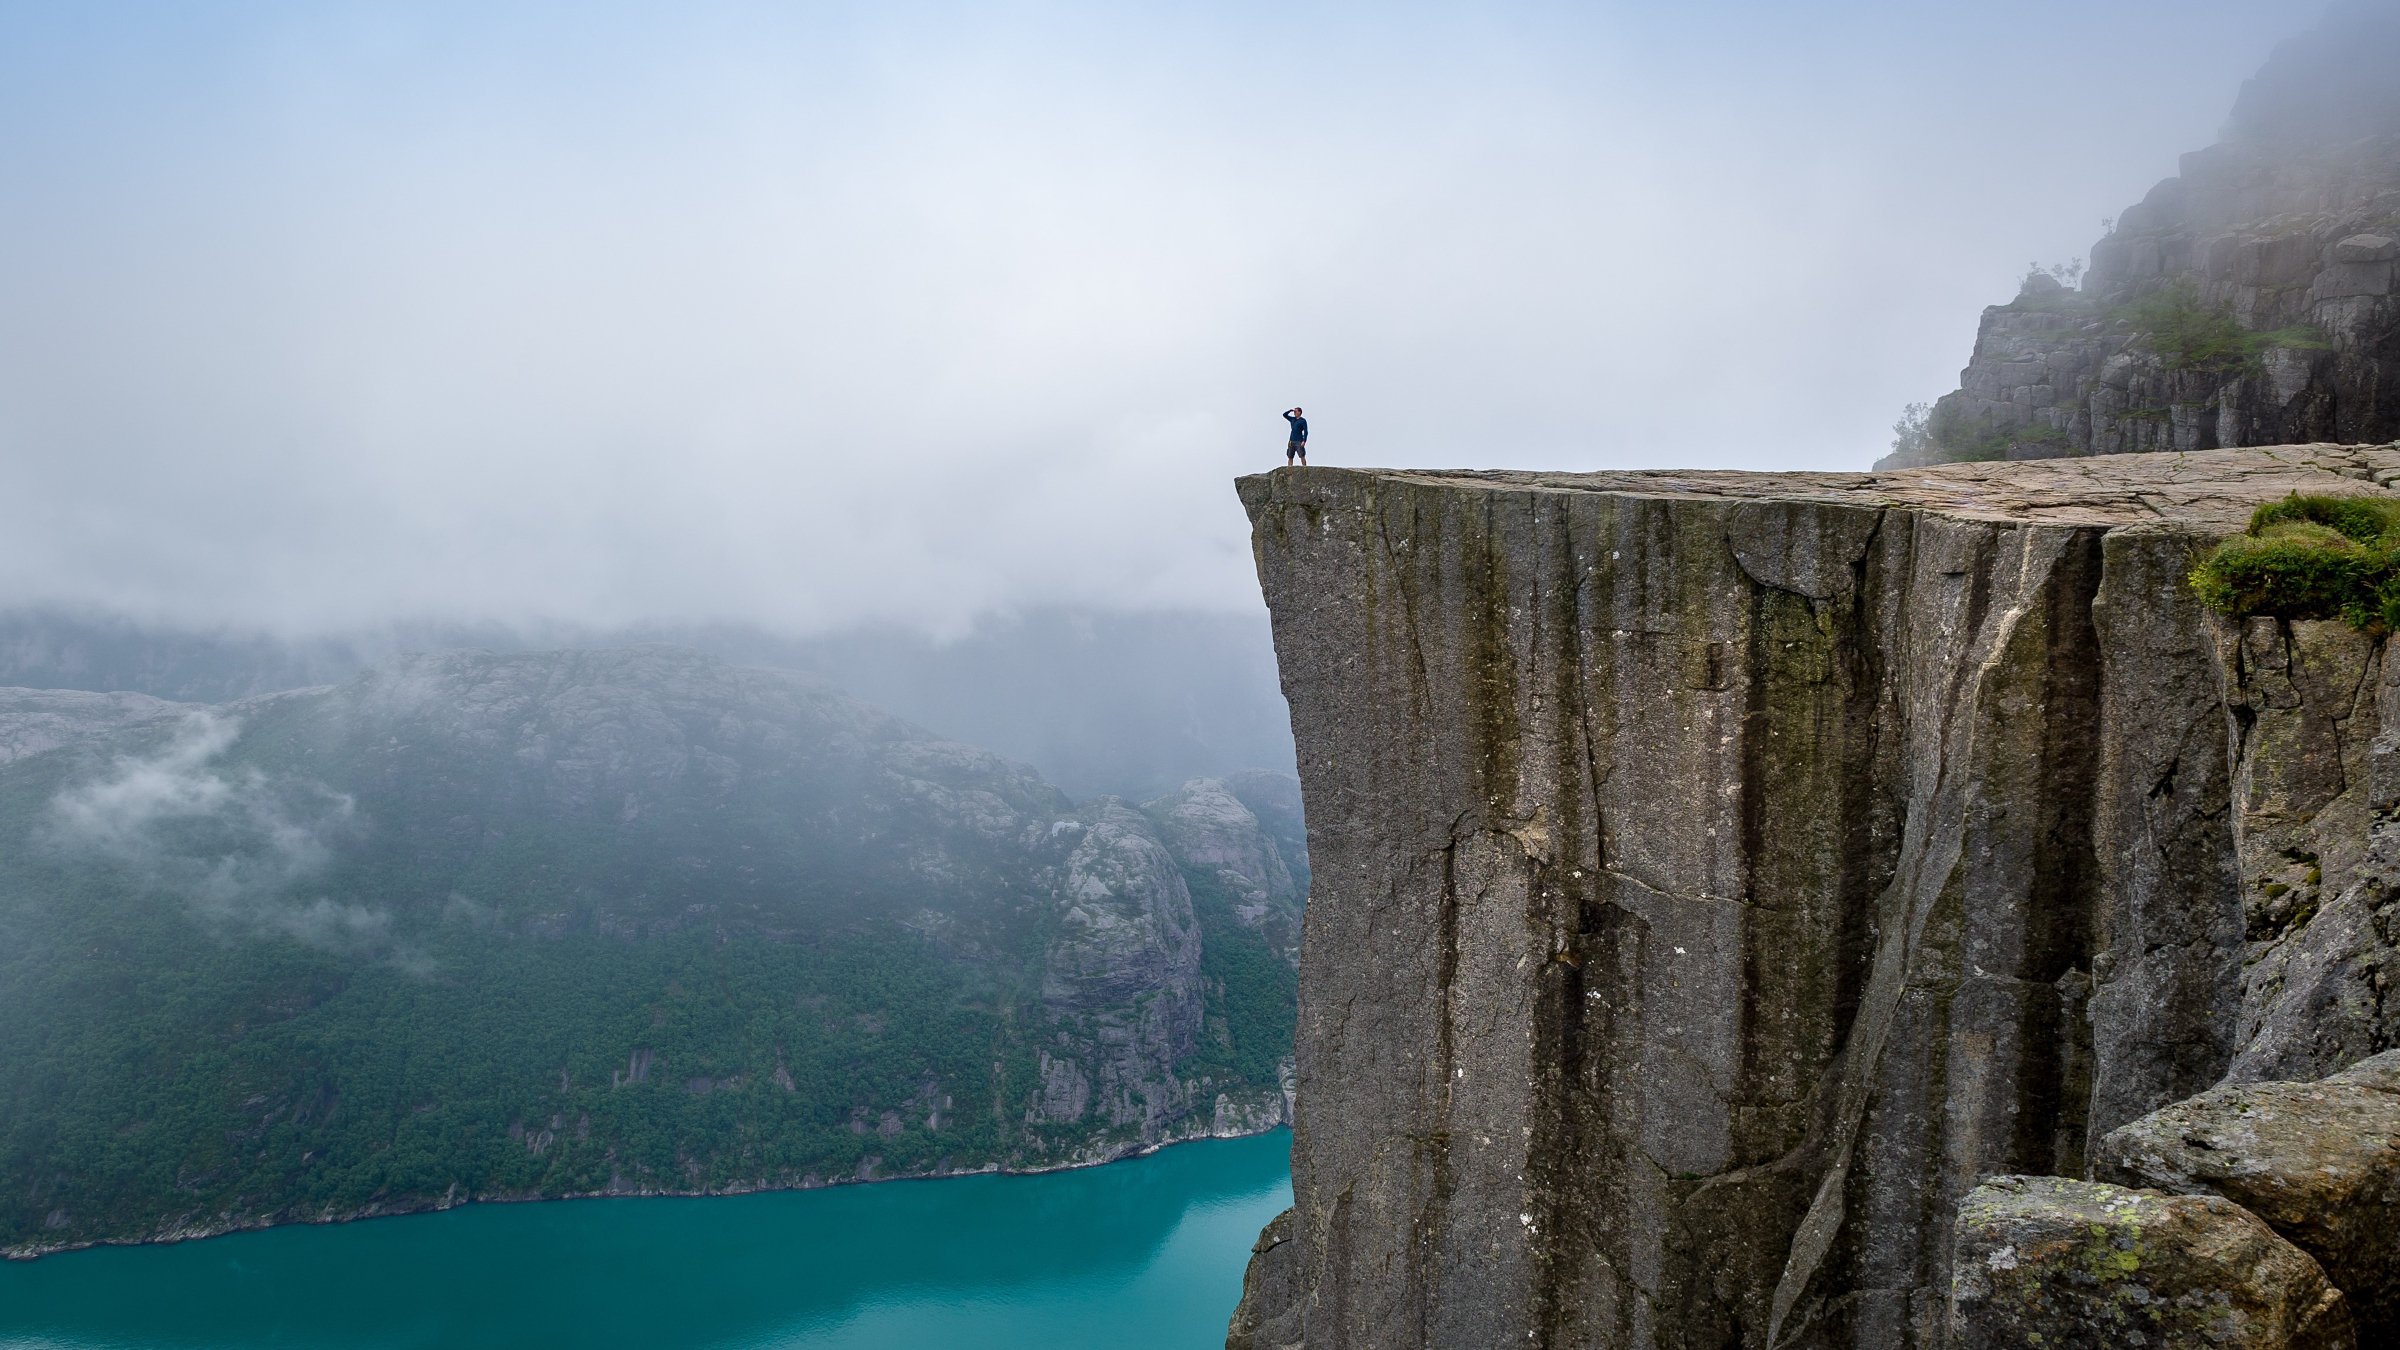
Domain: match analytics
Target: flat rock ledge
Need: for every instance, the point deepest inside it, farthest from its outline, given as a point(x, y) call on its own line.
point(2319, 1162)
point(2205, 490)
point(2077, 1265)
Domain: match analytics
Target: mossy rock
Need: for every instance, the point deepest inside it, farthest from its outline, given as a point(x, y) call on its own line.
point(2317, 1162)
point(2310, 557)
point(2075, 1265)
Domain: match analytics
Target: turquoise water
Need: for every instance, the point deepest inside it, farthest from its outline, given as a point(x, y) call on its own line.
point(1145, 1253)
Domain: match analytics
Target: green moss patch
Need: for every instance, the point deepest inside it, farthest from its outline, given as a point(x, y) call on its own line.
point(2311, 557)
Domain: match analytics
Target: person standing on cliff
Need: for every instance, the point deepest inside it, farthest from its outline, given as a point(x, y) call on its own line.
point(1297, 447)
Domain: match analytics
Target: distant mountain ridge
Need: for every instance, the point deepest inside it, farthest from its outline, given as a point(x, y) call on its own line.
point(1099, 702)
point(596, 922)
point(2249, 300)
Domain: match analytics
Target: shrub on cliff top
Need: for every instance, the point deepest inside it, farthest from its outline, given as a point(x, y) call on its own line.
point(2314, 557)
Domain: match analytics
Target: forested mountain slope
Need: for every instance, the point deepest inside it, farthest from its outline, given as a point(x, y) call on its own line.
point(594, 922)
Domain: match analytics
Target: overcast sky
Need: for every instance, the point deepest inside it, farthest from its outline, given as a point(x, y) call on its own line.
point(320, 314)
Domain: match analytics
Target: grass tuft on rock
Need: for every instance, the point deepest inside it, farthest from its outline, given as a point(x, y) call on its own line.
point(2311, 557)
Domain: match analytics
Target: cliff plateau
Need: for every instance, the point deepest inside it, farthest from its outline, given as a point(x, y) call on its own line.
point(1718, 875)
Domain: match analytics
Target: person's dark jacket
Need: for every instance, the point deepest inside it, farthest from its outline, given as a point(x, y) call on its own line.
point(1299, 426)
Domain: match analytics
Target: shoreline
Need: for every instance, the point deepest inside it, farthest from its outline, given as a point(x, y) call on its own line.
point(227, 1225)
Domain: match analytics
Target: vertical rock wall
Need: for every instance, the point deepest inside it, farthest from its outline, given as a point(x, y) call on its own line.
point(1716, 876)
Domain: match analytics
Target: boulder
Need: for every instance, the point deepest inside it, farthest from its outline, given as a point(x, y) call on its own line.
point(2319, 1162)
point(2064, 1265)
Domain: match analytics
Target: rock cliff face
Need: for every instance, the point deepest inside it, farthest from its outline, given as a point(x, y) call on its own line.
point(1718, 875)
point(1121, 980)
point(2249, 300)
point(1217, 835)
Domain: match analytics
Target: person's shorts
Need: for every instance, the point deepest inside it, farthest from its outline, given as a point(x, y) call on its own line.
point(1295, 448)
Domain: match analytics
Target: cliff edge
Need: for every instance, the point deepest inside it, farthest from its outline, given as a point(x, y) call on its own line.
point(1717, 875)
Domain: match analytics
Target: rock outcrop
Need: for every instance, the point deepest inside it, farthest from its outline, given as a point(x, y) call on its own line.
point(1269, 1314)
point(1718, 875)
point(2319, 1162)
point(1121, 981)
point(35, 720)
point(1218, 835)
point(2069, 1265)
point(2250, 300)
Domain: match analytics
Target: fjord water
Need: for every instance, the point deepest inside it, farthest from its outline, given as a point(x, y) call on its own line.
point(1145, 1252)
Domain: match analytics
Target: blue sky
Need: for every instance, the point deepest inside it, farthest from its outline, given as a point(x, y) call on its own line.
point(321, 314)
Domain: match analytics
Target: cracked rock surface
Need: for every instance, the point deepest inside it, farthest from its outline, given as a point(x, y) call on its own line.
point(1718, 875)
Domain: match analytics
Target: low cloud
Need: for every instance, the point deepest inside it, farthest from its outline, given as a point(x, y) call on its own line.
point(240, 846)
point(322, 315)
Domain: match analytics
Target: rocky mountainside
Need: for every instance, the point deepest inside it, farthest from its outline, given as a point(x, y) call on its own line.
point(35, 720)
point(2249, 300)
point(595, 922)
point(1720, 875)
